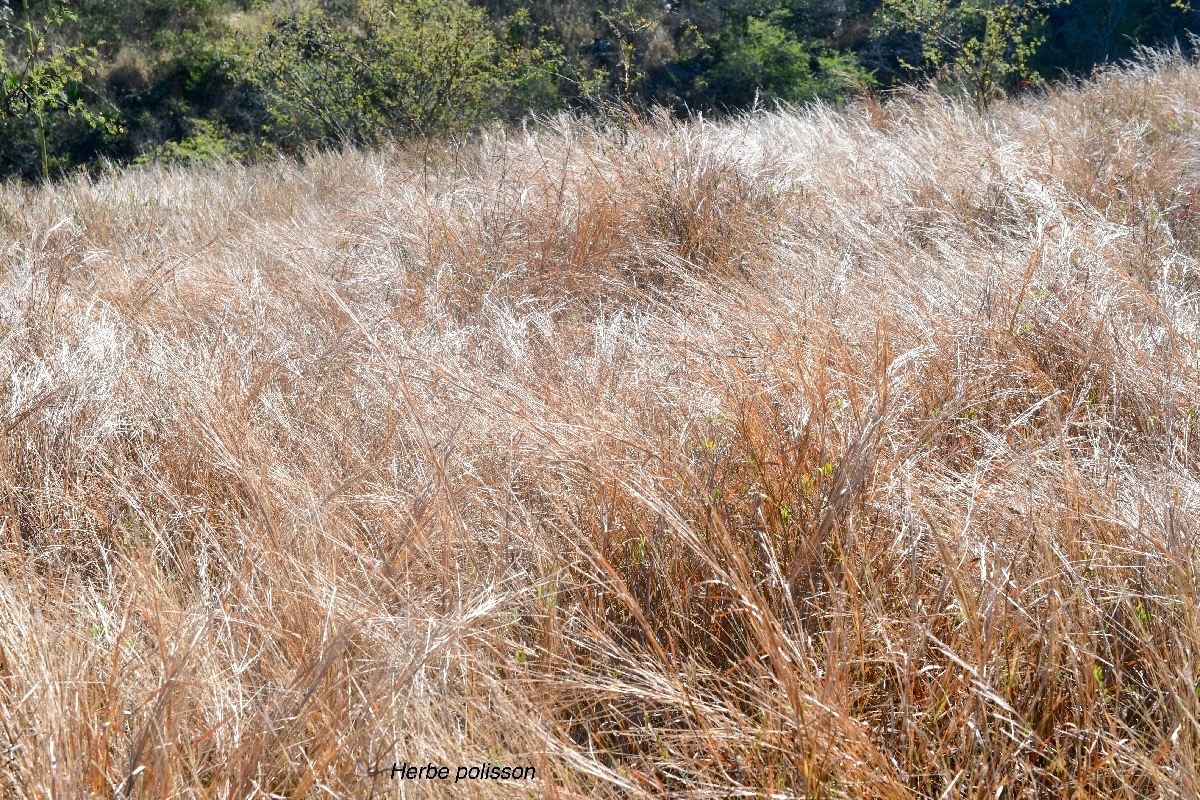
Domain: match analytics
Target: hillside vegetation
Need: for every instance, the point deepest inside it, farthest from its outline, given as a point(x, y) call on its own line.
point(809, 454)
point(89, 84)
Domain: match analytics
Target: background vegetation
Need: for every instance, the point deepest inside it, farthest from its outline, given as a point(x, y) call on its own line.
point(130, 81)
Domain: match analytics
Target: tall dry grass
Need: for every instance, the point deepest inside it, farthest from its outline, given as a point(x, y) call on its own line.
point(813, 454)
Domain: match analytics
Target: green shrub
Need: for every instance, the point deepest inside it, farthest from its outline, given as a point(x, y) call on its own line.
point(386, 67)
point(982, 46)
point(758, 59)
point(207, 144)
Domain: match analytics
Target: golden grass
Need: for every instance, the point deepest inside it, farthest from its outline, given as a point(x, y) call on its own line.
point(811, 454)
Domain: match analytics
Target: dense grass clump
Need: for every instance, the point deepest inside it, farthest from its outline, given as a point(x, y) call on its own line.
point(811, 454)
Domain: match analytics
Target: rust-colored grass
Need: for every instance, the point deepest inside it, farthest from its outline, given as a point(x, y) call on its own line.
point(810, 454)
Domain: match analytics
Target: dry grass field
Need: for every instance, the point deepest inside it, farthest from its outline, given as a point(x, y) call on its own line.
point(812, 454)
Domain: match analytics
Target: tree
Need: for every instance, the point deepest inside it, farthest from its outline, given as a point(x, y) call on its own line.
point(386, 67)
point(985, 46)
point(39, 75)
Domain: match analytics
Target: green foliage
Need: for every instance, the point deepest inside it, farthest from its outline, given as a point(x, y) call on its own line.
point(386, 67)
point(206, 80)
point(527, 66)
point(631, 30)
point(616, 53)
point(762, 61)
point(38, 75)
point(151, 24)
point(207, 144)
point(984, 46)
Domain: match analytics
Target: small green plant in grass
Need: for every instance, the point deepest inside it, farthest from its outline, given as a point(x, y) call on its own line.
point(546, 596)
